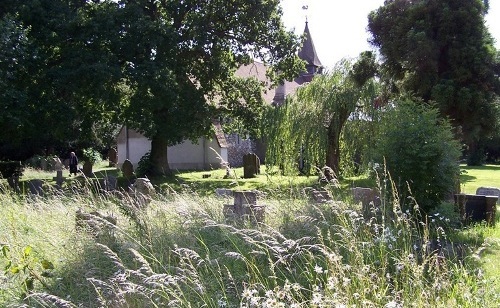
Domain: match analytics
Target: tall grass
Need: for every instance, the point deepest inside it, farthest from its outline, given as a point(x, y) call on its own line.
point(179, 250)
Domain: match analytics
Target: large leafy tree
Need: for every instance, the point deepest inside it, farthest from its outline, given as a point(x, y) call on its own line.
point(309, 125)
point(60, 88)
point(179, 56)
point(441, 50)
point(165, 68)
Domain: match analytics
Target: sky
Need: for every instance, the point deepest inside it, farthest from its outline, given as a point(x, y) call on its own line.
point(338, 27)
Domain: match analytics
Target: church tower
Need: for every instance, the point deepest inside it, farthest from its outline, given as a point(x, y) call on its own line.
point(308, 54)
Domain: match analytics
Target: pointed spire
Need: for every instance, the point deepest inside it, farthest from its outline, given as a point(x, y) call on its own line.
point(308, 53)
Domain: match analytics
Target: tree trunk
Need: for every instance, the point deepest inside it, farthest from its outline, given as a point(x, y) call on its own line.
point(333, 151)
point(159, 156)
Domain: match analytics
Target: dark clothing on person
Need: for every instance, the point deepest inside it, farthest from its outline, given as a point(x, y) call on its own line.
point(73, 164)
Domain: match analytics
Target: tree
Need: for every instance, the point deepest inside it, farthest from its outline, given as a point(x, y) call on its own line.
point(441, 51)
point(60, 91)
point(178, 58)
point(419, 151)
point(309, 124)
point(161, 67)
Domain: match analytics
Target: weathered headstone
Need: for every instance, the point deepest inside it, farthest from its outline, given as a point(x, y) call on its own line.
point(112, 157)
point(476, 208)
point(319, 196)
point(59, 178)
point(251, 165)
point(14, 183)
point(223, 192)
point(87, 169)
point(245, 208)
point(35, 187)
point(369, 198)
point(128, 169)
point(109, 183)
point(489, 191)
point(143, 190)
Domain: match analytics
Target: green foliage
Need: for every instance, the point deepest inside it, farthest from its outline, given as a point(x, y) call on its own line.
point(310, 123)
point(27, 268)
point(420, 153)
point(441, 51)
point(145, 166)
point(91, 155)
point(11, 168)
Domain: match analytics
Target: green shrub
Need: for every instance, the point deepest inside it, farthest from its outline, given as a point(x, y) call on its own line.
point(11, 168)
point(145, 166)
point(420, 153)
point(91, 155)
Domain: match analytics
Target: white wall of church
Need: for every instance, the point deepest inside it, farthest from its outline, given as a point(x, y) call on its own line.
point(186, 155)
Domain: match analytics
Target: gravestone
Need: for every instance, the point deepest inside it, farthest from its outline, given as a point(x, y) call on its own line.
point(35, 187)
point(128, 169)
point(112, 157)
point(87, 169)
point(489, 191)
point(223, 192)
point(476, 208)
point(319, 196)
point(59, 178)
point(143, 190)
point(14, 183)
point(109, 183)
point(245, 208)
point(369, 198)
point(251, 165)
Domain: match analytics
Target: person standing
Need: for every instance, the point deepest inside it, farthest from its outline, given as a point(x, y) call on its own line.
point(73, 163)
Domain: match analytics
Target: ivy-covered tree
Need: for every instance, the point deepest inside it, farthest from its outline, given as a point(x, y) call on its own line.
point(441, 51)
point(309, 125)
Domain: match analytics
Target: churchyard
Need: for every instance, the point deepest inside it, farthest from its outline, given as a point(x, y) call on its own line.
point(213, 239)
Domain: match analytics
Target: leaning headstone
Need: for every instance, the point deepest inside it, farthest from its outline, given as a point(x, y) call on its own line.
point(128, 169)
point(112, 157)
point(35, 187)
point(369, 198)
point(251, 165)
point(489, 191)
point(143, 190)
point(87, 169)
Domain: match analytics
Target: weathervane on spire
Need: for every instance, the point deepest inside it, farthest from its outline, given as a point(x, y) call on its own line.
point(305, 7)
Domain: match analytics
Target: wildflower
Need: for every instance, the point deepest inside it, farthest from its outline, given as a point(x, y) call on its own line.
point(248, 293)
point(392, 304)
point(316, 298)
point(356, 295)
point(318, 269)
point(331, 283)
point(346, 281)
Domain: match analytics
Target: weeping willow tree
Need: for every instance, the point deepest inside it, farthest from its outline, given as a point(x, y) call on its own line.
point(304, 133)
